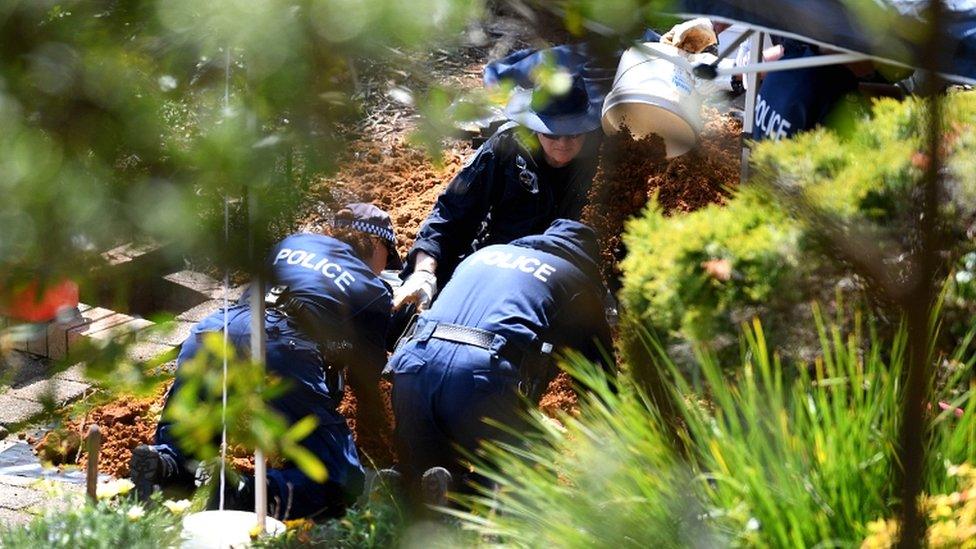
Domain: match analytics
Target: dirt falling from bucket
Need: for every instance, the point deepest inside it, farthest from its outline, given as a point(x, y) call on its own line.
point(632, 171)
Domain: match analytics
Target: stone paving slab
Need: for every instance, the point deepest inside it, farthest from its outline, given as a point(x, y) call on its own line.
point(17, 498)
point(15, 410)
point(195, 281)
point(205, 284)
point(172, 333)
point(144, 351)
point(128, 252)
point(9, 517)
point(61, 390)
point(109, 327)
point(21, 368)
point(74, 373)
point(72, 497)
point(29, 338)
point(201, 311)
point(14, 480)
point(57, 331)
point(233, 294)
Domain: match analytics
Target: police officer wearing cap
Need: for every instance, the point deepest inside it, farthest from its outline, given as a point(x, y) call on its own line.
point(491, 336)
point(534, 169)
point(327, 311)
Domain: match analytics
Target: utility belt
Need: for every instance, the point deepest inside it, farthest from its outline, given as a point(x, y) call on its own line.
point(535, 366)
point(278, 300)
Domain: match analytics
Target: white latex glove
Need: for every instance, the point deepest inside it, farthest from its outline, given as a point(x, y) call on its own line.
point(420, 288)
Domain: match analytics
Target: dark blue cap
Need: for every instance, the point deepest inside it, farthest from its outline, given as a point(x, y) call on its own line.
point(369, 219)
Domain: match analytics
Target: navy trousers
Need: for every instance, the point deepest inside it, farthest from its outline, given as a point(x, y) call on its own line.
point(442, 394)
point(294, 359)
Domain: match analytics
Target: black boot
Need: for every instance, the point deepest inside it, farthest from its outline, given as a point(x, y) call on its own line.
point(146, 470)
point(434, 486)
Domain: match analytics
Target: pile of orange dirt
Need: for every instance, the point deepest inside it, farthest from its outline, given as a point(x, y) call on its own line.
point(632, 171)
point(377, 449)
point(124, 424)
point(401, 179)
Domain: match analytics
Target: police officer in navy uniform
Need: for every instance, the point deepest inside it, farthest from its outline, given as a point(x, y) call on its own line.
point(517, 183)
point(490, 336)
point(328, 310)
point(797, 100)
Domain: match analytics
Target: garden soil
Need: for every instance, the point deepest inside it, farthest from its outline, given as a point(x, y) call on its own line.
point(406, 182)
point(124, 424)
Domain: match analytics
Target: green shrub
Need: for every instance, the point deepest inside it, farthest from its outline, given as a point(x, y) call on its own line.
point(665, 284)
point(774, 456)
point(778, 260)
point(105, 525)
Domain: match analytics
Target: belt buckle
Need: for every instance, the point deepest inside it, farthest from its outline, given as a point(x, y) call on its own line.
point(273, 296)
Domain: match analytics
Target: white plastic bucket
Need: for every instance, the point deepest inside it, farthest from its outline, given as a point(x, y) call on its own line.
point(224, 529)
point(653, 95)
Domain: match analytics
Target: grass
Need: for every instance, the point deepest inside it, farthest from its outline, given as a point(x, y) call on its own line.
point(105, 525)
point(775, 455)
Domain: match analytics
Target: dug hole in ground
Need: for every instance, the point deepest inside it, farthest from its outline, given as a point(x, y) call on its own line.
point(404, 181)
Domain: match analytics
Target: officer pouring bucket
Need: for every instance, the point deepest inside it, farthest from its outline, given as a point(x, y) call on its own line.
point(653, 94)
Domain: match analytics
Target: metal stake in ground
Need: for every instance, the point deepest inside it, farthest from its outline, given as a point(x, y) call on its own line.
point(94, 443)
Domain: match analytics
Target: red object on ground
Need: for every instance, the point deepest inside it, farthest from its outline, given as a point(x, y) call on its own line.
point(24, 304)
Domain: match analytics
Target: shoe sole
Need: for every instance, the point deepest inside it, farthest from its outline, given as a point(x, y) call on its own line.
point(144, 470)
point(434, 486)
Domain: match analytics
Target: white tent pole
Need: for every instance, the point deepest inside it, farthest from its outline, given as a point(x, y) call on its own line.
point(751, 81)
point(257, 355)
point(799, 63)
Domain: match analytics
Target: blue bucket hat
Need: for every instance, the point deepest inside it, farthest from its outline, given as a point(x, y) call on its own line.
point(369, 219)
point(567, 114)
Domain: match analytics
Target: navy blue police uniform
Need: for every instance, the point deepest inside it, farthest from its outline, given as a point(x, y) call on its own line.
point(506, 191)
point(797, 100)
point(486, 336)
point(335, 307)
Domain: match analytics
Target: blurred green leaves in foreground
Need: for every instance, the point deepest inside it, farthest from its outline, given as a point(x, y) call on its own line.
point(132, 119)
point(196, 408)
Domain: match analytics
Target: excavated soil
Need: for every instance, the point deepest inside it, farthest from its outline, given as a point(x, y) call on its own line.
point(124, 424)
point(632, 171)
point(401, 179)
point(377, 448)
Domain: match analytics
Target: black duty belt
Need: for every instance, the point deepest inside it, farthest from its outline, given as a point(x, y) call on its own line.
point(484, 339)
point(463, 334)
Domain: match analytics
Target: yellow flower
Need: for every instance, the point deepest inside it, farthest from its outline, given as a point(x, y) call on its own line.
point(881, 534)
point(112, 488)
point(943, 533)
point(964, 470)
point(106, 491)
point(135, 513)
point(940, 511)
point(299, 524)
point(177, 507)
point(125, 486)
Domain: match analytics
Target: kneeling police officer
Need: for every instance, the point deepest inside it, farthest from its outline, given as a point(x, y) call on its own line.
point(328, 309)
point(489, 336)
